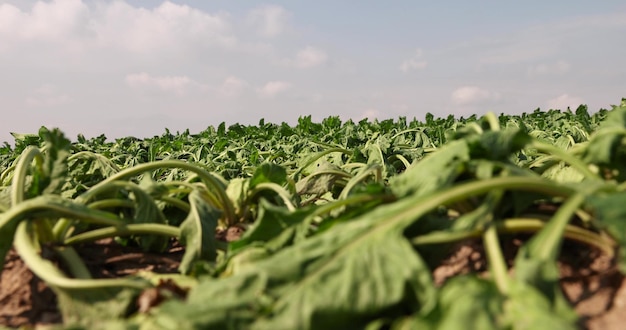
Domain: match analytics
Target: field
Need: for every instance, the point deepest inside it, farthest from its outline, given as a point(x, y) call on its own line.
point(492, 222)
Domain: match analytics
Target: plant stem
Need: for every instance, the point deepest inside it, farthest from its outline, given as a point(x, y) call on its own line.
point(566, 157)
point(125, 230)
point(21, 170)
point(60, 207)
point(73, 262)
point(212, 183)
point(26, 247)
point(497, 263)
point(111, 203)
point(521, 225)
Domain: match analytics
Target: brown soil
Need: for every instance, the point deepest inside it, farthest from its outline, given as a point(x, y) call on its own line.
point(24, 299)
point(590, 280)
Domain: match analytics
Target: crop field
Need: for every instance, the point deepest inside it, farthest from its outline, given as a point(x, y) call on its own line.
point(490, 222)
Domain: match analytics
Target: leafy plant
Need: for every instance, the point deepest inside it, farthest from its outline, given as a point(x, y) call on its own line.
point(343, 222)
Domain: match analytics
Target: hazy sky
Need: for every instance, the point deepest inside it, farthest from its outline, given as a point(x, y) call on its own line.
point(125, 68)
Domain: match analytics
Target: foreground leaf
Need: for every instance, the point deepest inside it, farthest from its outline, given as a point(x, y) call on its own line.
point(344, 277)
point(89, 307)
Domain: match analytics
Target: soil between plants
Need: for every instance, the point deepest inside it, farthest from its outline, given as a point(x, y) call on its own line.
point(589, 279)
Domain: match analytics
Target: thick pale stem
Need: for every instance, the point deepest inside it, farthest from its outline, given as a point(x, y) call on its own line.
point(497, 263)
point(126, 230)
point(26, 247)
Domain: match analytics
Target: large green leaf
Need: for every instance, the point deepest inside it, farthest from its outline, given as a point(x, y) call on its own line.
point(343, 277)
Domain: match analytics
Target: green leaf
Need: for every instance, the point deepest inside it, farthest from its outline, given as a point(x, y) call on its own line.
point(231, 303)
point(464, 302)
point(610, 212)
point(467, 302)
point(89, 307)
point(55, 162)
point(321, 180)
point(434, 172)
point(147, 211)
point(268, 172)
point(606, 145)
point(498, 145)
point(528, 309)
point(344, 277)
point(237, 191)
point(198, 232)
point(272, 222)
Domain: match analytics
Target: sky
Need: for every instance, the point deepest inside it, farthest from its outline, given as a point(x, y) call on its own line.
point(135, 68)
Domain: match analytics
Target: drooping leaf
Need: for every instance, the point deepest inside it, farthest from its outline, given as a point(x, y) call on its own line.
point(198, 232)
point(147, 211)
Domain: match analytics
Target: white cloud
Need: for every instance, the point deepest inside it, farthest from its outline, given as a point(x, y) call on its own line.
point(559, 67)
point(273, 88)
point(468, 95)
point(47, 96)
point(168, 26)
point(174, 84)
point(232, 87)
point(46, 20)
point(414, 63)
point(564, 101)
point(370, 114)
point(113, 25)
point(270, 20)
point(308, 57)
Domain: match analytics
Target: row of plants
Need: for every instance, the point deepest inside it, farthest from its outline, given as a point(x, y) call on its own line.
point(343, 222)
